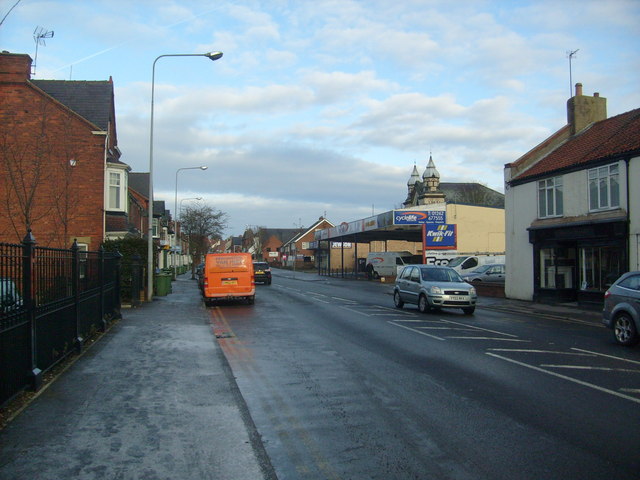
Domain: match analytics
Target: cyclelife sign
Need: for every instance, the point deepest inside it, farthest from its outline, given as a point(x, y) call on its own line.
point(419, 217)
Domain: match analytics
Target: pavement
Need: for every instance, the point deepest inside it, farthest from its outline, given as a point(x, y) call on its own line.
point(155, 399)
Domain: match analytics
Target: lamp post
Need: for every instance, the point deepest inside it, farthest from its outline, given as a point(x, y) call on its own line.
point(211, 56)
point(175, 212)
point(184, 200)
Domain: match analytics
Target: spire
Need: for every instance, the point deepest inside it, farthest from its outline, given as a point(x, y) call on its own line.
point(430, 171)
point(415, 176)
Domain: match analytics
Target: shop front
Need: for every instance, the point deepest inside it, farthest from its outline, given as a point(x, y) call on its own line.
point(578, 262)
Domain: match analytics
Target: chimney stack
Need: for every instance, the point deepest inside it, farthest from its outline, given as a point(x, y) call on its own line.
point(583, 110)
point(15, 67)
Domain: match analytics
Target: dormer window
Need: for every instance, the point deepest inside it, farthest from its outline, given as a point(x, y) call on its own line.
point(550, 198)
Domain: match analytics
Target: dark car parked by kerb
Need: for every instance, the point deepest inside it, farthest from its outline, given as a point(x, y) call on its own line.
point(621, 311)
point(262, 272)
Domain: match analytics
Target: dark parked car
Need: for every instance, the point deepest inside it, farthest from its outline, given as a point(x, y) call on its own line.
point(262, 272)
point(490, 273)
point(10, 298)
point(621, 311)
point(432, 288)
point(200, 275)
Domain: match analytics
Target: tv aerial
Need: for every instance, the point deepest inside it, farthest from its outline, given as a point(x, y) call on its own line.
point(571, 55)
point(39, 34)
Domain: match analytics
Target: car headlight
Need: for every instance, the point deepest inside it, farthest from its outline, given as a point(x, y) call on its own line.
point(472, 291)
point(436, 290)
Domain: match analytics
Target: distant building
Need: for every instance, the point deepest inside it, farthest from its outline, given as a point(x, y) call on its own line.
point(573, 206)
point(298, 251)
point(265, 244)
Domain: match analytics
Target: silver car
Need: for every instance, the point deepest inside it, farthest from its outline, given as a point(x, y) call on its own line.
point(621, 311)
point(432, 288)
point(490, 273)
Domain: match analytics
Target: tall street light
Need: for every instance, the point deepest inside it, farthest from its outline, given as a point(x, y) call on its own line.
point(175, 213)
point(184, 200)
point(211, 56)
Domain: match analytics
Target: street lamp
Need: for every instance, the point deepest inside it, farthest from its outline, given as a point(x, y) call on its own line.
point(184, 200)
point(175, 213)
point(211, 56)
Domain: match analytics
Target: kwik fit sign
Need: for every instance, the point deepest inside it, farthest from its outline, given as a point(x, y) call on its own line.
point(419, 217)
point(440, 237)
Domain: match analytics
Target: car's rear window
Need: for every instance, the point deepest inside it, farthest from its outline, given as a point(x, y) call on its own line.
point(260, 266)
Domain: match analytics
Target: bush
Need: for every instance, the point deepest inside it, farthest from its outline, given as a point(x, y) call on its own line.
point(128, 248)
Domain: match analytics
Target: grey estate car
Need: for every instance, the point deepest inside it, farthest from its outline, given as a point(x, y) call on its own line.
point(432, 288)
point(621, 311)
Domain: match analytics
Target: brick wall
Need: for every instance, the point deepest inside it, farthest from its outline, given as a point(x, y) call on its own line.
point(38, 139)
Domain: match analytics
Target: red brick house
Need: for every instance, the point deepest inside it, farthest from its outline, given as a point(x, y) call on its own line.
point(298, 249)
point(60, 169)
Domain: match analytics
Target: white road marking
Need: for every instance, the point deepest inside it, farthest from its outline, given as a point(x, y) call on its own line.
point(480, 328)
point(524, 350)
point(630, 390)
point(605, 355)
point(354, 311)
point(499, 339)
point(320, 300)
point(564, 377)
point(589, 367)
point(415, 331)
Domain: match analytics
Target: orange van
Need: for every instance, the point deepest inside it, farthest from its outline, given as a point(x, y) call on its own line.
point(228, 276)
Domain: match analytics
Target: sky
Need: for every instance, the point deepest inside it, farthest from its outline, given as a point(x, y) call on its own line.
point(323, 107)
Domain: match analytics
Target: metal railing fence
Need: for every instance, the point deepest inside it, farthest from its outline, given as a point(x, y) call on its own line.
point(51, 301)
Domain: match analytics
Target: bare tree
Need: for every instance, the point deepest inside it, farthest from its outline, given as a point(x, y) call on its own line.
point(36, 178)
point(202, 223)
point(253, 239)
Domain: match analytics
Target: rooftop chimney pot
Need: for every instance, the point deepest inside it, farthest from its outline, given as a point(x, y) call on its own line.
point(578, 89)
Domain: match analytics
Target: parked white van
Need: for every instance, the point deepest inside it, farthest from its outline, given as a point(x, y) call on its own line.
point(468, 263)
point(389, 264)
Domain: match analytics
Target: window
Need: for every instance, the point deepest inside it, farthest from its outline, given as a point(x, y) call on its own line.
point(557, 267)
point(155, 233)
point(406, 273)
point(604, 187)
point(415, 275)
point(632, 282)
point(115, 190)
point(550, 201)
point(599, 267)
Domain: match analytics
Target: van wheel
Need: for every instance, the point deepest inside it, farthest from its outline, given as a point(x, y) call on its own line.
point(397, 301)
point(423, 304)
point(251, 300)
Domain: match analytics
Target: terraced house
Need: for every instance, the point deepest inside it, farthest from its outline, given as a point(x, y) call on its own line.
point(573, 207)
point(60, 170)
